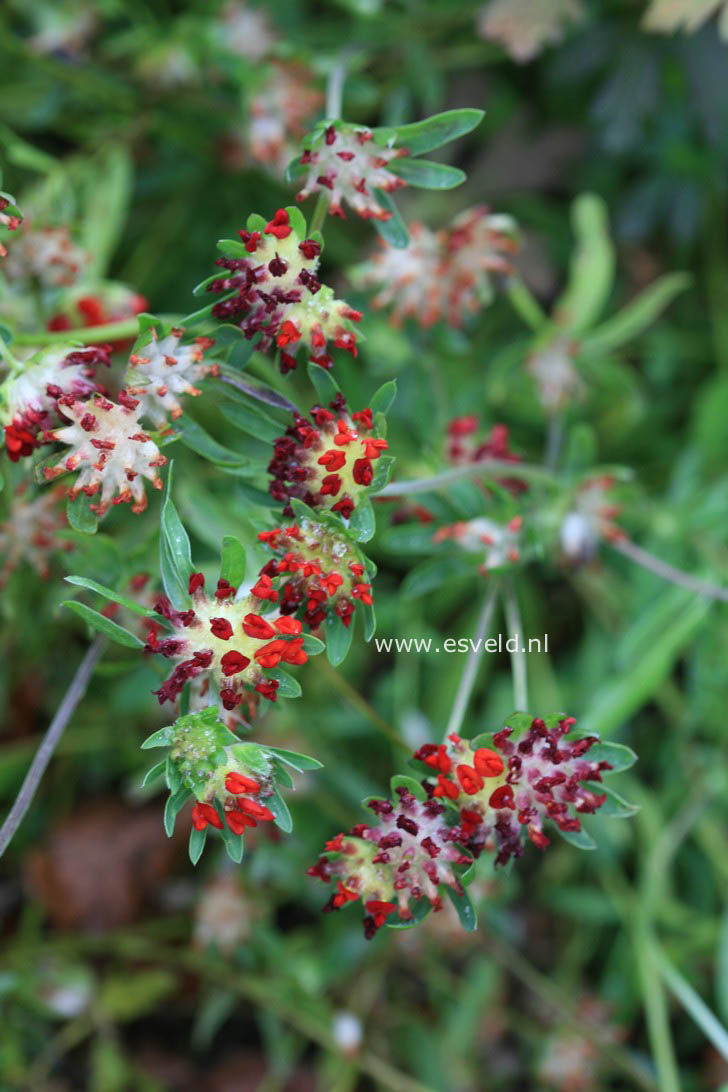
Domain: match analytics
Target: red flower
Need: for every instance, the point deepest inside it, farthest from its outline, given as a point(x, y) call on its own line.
point(204, 815)
point(233, 662)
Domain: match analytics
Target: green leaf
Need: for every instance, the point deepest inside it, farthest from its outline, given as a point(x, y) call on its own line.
point(433, 574)
point(465, 909)
point(439, 129)
point(312, 646)
point(418, 908)
point(382, 399)
point(578, 838)
point(363, 523)
point(109, 593)
point(155, 772)
point(326, 386)
point(338, 639)
point(393, 230)
point(615, 806)
point(175, 802)
point(234, 843)
point(278, 806)
point(640, 313)
point(592, 266)
point(617, 755)
point(256, 222)
point(295, 759)
point(251, 420)
point(175, 780)
point(297, 220)
point(175, 553)
point(288, 687)
point(370, 621)
point(161, 738)
point(427, 175)
point(197, 844)
point(80, 516)
point(104, 625)
point(198, 440)
point(282, 776)
point(232, 561)
point(405, 782)
point(382, 473)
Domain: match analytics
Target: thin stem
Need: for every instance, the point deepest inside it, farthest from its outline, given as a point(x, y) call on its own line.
point(554, 440)
point(656, 1014)
point(263, 394)
point(319, 213)
point(471, 664)
point(45, 752)
point(335, 86)
point(706, 1020)
point(487, 467)
point(525, 304)
point(668, 572)
point(110, 331)
point(355, 698)
point(514, 626)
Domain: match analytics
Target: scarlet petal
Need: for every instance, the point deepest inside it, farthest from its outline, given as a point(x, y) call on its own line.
point(488, 763)
point(238, 821)
point(197, 581)
point(289, 625)
point(254, 809)
point(469, 778)
point(233, 662)
point(204, 815)
point(236, 783)
point(255, 626)
point(502, 797)
point(221, 628)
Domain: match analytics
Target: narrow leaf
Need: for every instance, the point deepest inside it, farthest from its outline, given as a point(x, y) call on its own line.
point(104, 625)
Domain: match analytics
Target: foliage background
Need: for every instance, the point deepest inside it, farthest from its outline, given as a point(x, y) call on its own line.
point(108, 982)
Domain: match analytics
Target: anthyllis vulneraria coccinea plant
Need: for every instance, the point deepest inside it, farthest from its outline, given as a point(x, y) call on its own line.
point(238, 635)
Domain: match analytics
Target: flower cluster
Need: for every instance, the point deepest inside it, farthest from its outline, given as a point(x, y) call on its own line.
point(48, 256)
point(109, 303)
point(555, 374)
point(409, 854)
point(109, 449)
point(224, 639)
point(30, 533)
point(273, 292)
point(163, 369)
point(31, 399)
point(525, 27)
point(317, 569)
point(225, 777)
point(346, 163)
point(462, 448)
point(278, 112)
point(513, 786)
point(326, 461)
point(589, 520)
point(443, 275)
point(501, 542)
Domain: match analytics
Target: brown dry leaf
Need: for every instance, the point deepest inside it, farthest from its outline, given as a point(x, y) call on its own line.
point(99, 867)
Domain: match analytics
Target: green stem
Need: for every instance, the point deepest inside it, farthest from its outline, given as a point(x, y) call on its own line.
point(88, 335)
point(525, 304)
point(708, 1023)
point(471, 664)
point(484, 467)
point(319, 212)
point(518, 657)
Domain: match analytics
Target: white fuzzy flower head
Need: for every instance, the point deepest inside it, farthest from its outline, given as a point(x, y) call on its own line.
point(110, 451)
point(164, 369)
point(589, 520)
point(553, 369)
point(245, 31)
point(31, 397)
point(525, 27)
point(500, 542)
point(278, 112)
point(344, 161)
point(445, 274)
point(407, 278)
point(47, 255)
point(29, 533)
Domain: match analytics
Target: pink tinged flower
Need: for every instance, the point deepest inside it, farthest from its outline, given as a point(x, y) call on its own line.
point(110, 452)
point(410, 853)
point(347, 164)
point(164, 370)
point(31, 533)
point(326, 461)
point(278, 298)
point(525, 27)
point(47, 255)
point(30, 403)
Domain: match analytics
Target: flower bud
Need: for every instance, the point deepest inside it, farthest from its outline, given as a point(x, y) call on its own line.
point(162, 370)
point(346, 164)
